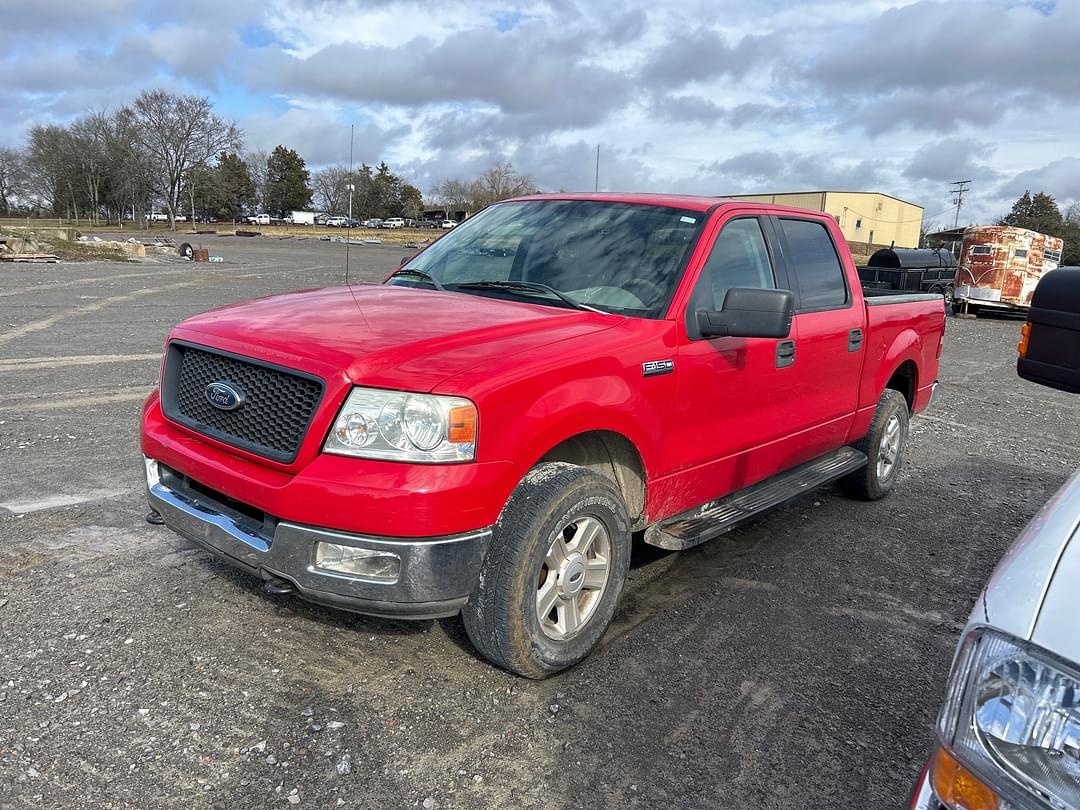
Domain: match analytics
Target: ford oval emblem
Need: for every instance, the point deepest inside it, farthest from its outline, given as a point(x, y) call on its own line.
point(224, 396)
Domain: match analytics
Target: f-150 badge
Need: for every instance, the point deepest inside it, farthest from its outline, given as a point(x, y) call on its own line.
point(654, 368)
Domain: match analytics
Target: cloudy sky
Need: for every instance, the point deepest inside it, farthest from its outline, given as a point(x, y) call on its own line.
point(701, 96)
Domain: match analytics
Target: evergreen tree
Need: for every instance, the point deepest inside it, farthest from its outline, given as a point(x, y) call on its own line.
point(287, 181)
point(234, 190)
point(1036, 213)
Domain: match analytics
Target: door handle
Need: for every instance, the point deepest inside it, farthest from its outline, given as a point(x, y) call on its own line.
point(785, 353)
point(854, 340)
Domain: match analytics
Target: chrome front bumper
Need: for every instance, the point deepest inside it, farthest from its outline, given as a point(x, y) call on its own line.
point(435, 577)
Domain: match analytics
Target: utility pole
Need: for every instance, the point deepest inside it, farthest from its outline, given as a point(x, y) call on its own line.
point(596, 182)
point(958, 193)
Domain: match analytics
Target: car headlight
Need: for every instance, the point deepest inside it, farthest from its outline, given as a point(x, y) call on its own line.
point(1010, 727)
point(401, 426)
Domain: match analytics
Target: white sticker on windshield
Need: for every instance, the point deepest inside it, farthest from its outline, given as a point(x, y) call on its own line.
point(687, 220)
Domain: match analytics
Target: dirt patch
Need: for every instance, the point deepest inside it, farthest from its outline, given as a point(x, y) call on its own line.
point(25, 241)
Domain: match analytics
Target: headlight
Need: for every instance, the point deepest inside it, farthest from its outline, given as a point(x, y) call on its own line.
point(399, 426)
point(1011, 719)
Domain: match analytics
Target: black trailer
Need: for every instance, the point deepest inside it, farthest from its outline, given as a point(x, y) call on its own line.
point(930, 270)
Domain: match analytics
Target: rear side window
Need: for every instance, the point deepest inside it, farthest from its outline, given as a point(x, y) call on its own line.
point(812, 256)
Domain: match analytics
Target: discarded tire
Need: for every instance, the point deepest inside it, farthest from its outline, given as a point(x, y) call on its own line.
point(186, 250)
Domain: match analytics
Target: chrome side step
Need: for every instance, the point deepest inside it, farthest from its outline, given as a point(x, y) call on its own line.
point(717, 517)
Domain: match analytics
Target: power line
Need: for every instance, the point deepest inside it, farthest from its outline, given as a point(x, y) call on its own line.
point(961, 187)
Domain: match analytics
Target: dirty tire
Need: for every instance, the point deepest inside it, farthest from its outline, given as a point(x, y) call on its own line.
point(186, 250)
point(501, 616)
point(950, 295)
point(877, 478)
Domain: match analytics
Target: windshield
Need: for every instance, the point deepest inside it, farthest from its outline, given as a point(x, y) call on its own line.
point(616, 257)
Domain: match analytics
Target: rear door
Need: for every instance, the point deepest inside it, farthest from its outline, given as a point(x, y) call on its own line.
point(831, 327)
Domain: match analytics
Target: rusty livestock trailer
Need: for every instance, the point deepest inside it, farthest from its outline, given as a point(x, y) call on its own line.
point(1000, 266)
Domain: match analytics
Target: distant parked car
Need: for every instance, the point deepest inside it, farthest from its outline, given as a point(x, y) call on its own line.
point(374, 222)
point(337, 222)
point(394, 222)
point(447, 224)
point(426, 223)
point(259, 219)
point(157, 216)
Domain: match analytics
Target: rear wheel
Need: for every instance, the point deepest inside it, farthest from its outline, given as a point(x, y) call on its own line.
point(949, 294)
point(884, 446)
point(554, 573)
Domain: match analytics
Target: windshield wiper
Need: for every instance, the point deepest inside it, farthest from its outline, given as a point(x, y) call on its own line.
point(415, 271)
point(535, 286)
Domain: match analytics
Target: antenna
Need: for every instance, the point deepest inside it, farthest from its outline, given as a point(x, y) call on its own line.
point(961, 187)
point(348, 229)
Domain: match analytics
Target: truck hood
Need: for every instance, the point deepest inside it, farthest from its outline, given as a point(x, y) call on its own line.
point(387, 336)
point(1033, 593)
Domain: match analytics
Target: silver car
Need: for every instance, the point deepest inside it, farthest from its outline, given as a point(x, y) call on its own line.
point(1009, 731)
point(1008, 735)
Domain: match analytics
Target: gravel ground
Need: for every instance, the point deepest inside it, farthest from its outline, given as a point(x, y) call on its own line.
point(797, 662)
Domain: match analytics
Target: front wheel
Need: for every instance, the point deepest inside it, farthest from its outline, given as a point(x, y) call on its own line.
point(884, 446)
point(554, 572)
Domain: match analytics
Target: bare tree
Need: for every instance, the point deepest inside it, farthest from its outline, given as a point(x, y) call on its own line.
point(49, 169)
point(501, 182)
point(256, 163)
point(178, 133)
point(331, 189)
point(89, 148)
point(12, 176)
point(458, 195)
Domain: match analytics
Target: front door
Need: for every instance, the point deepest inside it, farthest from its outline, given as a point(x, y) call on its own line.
point(733, 392)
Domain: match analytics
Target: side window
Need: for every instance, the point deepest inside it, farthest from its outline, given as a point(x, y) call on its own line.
point(812, 257)
point(739, 258)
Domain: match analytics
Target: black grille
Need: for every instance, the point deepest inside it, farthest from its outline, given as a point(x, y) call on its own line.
point(276, 409)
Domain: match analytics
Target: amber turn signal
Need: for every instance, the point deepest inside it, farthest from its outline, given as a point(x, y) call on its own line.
point(1025, 336)
point(958, 787)
point(462, 425)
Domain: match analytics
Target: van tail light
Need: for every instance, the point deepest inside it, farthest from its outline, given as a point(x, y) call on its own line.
point(1025, 336)
point(941, 337)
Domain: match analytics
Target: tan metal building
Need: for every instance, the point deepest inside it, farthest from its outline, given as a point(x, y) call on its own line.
point(863, 216)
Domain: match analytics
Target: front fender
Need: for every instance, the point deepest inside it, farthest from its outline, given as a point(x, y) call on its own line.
point(601, 403)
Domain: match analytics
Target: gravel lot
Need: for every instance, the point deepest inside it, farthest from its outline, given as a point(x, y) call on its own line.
point(797, 662)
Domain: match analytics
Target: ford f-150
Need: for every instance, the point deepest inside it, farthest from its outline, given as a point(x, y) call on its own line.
point(483, 432)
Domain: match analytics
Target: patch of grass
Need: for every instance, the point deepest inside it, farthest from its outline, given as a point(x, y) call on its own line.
point(87, 252)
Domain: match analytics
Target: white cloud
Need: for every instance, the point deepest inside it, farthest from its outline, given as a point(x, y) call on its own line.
point(886, 94)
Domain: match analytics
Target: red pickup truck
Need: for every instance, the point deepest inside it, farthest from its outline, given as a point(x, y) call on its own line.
point(483, 432)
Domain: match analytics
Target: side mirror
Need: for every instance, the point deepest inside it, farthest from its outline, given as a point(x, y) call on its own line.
point(749, 312)
point(405, 260)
